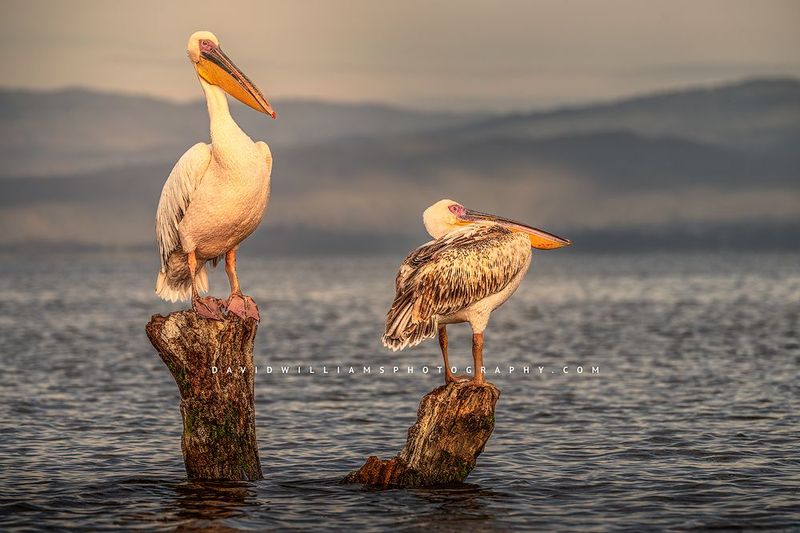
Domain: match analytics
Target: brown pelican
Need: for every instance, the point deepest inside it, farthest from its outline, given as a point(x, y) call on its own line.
point(216, 194)
point(473, 265)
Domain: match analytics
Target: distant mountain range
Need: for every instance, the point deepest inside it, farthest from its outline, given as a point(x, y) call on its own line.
point(756, 117)
point(75, 130)
point(699, 167)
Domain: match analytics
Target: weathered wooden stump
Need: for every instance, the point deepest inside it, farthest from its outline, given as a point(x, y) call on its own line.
point(453, 424)
point(219, 432)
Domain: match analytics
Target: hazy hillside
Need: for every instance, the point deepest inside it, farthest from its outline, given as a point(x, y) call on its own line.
point(759, 116)
point(63, 132)
point(610, 185)
point(69, 131)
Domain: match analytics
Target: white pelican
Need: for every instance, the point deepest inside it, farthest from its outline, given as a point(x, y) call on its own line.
point(216, 194)
point(474, 264)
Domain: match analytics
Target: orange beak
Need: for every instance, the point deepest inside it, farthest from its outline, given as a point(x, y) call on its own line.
point(217, 69)
point(540, 239)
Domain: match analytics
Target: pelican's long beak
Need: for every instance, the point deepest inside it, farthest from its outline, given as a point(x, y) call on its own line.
point(217, 69)
point(539, 239)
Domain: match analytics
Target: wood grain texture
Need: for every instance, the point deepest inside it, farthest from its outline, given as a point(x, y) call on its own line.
point(219, 435)
point(454, 422)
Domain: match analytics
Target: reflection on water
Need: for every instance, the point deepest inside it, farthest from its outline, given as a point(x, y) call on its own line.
point(692, 421)
point(211, 502)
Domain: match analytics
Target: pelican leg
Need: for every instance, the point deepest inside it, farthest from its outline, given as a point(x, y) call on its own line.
point(477, 357)
point(208, 307)
point(240, 305)
point(448, 374)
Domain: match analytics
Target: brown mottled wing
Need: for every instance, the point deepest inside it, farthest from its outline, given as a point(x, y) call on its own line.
point(449, 274)
point(471, 267)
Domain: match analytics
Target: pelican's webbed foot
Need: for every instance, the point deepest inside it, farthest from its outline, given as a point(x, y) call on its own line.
point(243, 306)
point(208, 307)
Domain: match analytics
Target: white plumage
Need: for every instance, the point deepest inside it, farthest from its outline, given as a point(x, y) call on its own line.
point(175, 199)
point(217, 193)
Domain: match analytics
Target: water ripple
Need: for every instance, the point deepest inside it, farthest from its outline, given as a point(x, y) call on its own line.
point(691, 423)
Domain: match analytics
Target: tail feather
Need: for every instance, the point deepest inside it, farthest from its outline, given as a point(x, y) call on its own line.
point(174, 282)
point(401, 329)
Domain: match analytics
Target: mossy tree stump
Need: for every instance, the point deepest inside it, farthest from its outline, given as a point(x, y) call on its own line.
point(454, 422)
point(219, 433)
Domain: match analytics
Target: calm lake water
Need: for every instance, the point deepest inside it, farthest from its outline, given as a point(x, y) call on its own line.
point(692, 422)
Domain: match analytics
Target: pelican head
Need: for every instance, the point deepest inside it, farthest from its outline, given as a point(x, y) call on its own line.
point(447, 215)
point(214, 67)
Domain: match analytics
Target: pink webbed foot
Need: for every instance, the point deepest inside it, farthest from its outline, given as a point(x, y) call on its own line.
point(243, 306)
point(208, 307)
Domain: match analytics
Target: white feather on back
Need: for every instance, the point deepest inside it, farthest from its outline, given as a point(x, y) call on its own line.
point(176, 196)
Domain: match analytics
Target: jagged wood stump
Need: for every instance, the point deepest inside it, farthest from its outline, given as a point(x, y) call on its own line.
point(453, 424)
point(219, 433)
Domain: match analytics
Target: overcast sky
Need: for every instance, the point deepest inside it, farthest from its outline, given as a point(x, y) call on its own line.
point(448, 55)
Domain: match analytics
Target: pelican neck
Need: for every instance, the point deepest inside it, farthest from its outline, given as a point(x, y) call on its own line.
point(219, 114)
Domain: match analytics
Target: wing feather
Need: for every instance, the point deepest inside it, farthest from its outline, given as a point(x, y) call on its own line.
point(449, 274)
point(176, 196)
